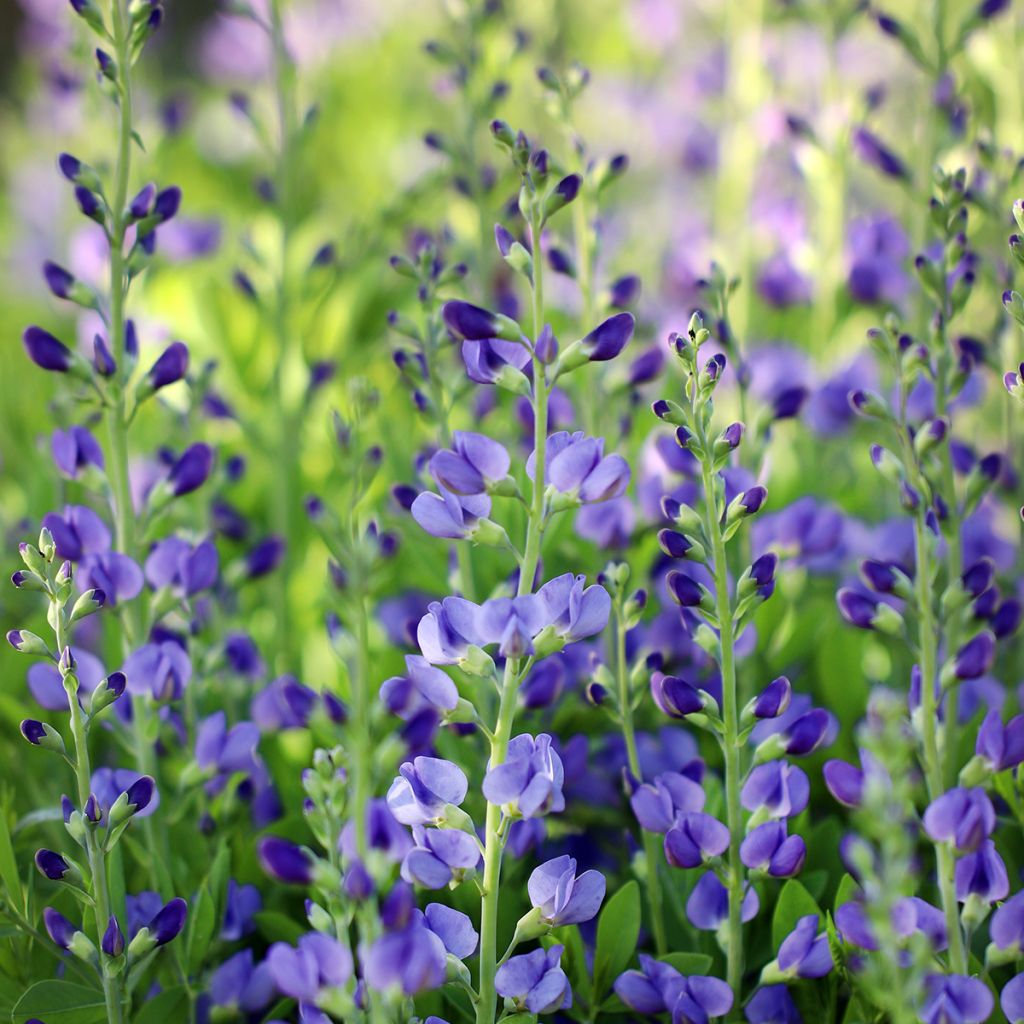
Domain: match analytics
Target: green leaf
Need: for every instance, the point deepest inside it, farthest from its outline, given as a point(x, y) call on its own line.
point(519, 1018)
point(794, 902)
point(688, 964)
point(9, 864)
point(201, 926)
point(61, 1002)
point(277, 927)
point(847, 891)
point(618, 929)
point(169, 1005)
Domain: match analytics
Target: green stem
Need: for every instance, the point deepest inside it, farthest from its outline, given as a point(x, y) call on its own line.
point(930, 754)
point(652, 853)
point(361, 727)
point(487, 998)
point(97, 862)
point(286, 447)
point(730, 740)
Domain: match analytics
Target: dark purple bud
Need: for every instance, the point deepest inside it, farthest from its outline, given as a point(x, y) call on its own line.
point(753, 499)
point(58, 280)
point(608, 339)
point(857, 609)
point(113, 938)
point(1007, 618)
point(58, 927)
point(264, 557)
point(762, 572)
point(102, 358)
point(732, 435)
point(975, 657)
point(285, 861)
point(978, 578)
point(807, 733)
point(788, 403)
point(470, 322)
point(170, 367)
point(34, 731)
point(140, 206)
point(70, 166)
point(169, 921)
point(874, 152)
point(140, 793)
point(166, 204)
point(46, 351)
point(52, 865)
point(560, 262)
point(675, 545)
point(674, 696)
point(504, 239)
point(88, 203)
point(684, 590)
point(547, 346)
point(879, 576)
point(774, 699)
point(624, 292)
point(191, 470)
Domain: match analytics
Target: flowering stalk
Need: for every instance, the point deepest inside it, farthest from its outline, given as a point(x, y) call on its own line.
point(502, 732)
point(626, 611)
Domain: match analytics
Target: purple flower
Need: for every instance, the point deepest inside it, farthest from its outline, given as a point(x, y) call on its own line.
point(226, 751)
point(769, 850)
point(962, 817)
point(264, 557)
point(51, 865)
point(424, 788)
point(449, 516)
point(440, 857)
point(981, 875)
point(708, 905)
point(657, 805)
point(77, 532)
point(1006, 928)
point(184, 569)
point(411, 958)
point(318, 962)
point(489, 361)
point(108, 785)
point(115, 574)
point(659, 988)
point(909, 916)
point(423, 686)
point(576, 612)
point(284, 703)
point(240, 984)
point(695, 839)
point(535, 981)
point(241, 904)
point(529, 782)
point(804, 953)
point(453, 928)
point(561, 896)
point(1012, 1000)
point(158, 670)
point(578, 468)
point(775, 790)
point(471, 466)
point(952, 997)
point(772, 1004)
point(75, 450)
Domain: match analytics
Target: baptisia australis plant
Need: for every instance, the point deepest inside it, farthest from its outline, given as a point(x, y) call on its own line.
point(525, 774)
point(95, 824)
point(762, 789)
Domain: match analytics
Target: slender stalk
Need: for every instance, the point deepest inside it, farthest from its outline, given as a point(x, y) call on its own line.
point(97, 862)
point(730, 740)
point(493, 841)
point(286, 446)
point(652, 853)
point(361, 727)
point(930, 753)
